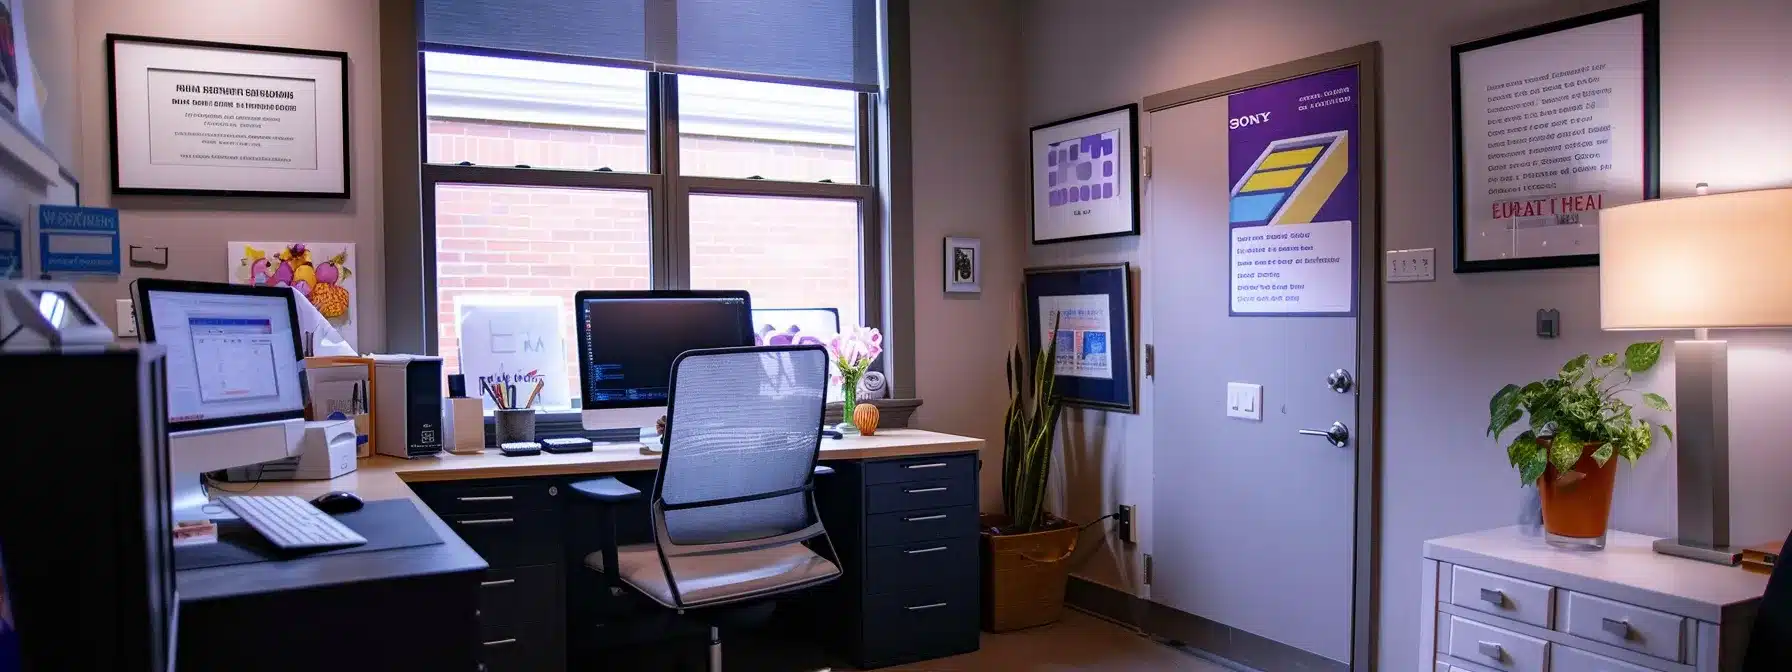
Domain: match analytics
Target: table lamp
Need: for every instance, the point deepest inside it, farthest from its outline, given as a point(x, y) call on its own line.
point(1705, 262)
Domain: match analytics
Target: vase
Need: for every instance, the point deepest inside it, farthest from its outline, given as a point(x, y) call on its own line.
point(849, 392)
point(1576, 509)
point(865, 417)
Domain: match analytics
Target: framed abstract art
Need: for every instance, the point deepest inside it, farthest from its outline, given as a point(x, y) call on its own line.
point(1085, 173)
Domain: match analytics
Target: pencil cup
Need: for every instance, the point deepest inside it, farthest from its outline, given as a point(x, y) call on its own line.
point(515, 424)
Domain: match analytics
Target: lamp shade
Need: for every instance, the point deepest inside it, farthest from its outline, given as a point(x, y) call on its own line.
point(1718, 261)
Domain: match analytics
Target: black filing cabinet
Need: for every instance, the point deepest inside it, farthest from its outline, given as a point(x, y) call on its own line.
point(515, 525)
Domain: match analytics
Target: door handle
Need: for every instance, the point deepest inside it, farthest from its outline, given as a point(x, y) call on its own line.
point(1338, 434)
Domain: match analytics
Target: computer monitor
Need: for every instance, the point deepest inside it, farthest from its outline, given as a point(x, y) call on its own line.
point(235, 378)
point(628, 339)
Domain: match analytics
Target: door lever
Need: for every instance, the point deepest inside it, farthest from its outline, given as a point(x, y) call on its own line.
point(1338, 434)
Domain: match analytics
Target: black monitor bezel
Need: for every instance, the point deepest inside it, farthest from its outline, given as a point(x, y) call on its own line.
point(578, 315)
point(146, 328)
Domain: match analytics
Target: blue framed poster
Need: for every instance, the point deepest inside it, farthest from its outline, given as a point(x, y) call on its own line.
point(1091, 307)
point(77, 240)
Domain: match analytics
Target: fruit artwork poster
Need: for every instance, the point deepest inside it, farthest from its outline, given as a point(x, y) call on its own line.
point(322, 272)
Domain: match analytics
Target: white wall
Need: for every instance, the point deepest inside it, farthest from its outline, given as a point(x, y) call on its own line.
point(196, 229)
point(1448, 344)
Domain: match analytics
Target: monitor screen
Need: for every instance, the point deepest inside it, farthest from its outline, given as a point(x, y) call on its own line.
point(233, 358)
point(627, 340)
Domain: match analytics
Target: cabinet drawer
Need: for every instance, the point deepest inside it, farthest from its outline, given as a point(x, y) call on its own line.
point(920, 495)
point(1570, 659)
point(1497, 648)
point(530, 647)
point(942, 562)
point(457, 499)
point(1629, 626)
point(509, 597)
point(929, 468)
point(510, 539)
point(920, 624)
point(907, 527)
point(1505, 596)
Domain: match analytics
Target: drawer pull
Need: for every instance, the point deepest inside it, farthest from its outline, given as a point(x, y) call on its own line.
point(919, 551)
point(929, 465)
point(1615, 628)
point(1494, 597)
point(917, 519)
point(501, 642)
point(486, 498)
point(494, 584)
point(916, 491)
point(486, 521)
point(924, 607)
point(1491, 650)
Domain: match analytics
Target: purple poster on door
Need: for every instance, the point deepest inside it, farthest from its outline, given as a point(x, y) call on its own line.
point(1292, 163)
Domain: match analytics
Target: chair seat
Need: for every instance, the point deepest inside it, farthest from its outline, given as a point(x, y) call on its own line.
point(706, 580)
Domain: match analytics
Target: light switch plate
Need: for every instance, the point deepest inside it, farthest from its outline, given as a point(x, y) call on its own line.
point(1418, 265)
point(1244, 400)
point(127, 319)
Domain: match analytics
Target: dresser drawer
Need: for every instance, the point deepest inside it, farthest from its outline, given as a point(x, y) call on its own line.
point(920, 624)
point(920, 495)
point(1570, 659)
point(509, 597)
point(455, 499)
point(1645, 631)
point(942, 562)
point(1497, 648)
point(1505, 596)
point(907, 527)
point(510, 539)
point(928, 468)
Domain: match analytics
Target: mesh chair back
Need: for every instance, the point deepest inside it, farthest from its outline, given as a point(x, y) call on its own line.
point(743, 432)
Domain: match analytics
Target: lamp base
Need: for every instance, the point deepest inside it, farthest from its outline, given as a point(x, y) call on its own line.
point(1721, 555)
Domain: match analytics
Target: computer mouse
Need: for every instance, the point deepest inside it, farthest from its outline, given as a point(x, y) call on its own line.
point(338, 503)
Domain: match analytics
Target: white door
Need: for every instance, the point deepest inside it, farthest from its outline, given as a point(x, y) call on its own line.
point(1255, 520)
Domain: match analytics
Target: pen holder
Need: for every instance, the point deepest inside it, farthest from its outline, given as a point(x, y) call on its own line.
point(515, 424)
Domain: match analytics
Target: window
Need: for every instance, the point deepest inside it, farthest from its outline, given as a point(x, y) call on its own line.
point(742, 129)
point(491, 111)
point(787, 252)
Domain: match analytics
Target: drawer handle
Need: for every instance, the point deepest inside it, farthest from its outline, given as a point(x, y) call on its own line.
point(486, 521)
point(929, 465)
point(1616, 628)
point(486, 498)
point(924, 607)
point(1494, 597)
point(919, 551)
point(917, 519)
point(916, 491)
point(501, 642)
point(1491, 650)
point(494, 584)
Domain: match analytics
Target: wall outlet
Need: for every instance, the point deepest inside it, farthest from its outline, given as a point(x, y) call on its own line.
point(1244, 400)
point(1124, 523)
point(126, 326)
point(1418, 265)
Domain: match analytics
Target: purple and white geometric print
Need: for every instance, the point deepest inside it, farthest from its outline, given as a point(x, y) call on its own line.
point(1082, 169)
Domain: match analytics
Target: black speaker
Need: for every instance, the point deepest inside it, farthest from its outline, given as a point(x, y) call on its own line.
point(85, 542)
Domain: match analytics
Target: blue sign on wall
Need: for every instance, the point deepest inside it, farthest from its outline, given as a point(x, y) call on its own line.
point(78, 240)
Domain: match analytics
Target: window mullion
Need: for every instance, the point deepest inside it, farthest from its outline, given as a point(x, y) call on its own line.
point(671, 224)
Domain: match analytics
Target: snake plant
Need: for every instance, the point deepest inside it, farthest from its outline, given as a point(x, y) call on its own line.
point(1029, 424)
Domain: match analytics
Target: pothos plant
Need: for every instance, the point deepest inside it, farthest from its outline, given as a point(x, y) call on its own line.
point(1578, 408)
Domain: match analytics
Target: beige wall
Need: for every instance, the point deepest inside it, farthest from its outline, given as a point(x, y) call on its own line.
point(1448, 344)
point(196, 229)
point(967, 167)
point(50, 25)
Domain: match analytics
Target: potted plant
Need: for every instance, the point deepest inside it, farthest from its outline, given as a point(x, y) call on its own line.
point(1578, 423)
point(1025, 547)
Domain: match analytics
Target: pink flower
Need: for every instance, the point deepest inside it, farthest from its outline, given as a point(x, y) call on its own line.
point(855, 349)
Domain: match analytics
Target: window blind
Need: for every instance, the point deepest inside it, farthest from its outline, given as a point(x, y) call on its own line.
point(816, 42)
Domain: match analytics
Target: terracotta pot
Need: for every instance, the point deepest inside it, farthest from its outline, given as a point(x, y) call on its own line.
point(865, 416)
point(1024, 574)
point(1576, 509)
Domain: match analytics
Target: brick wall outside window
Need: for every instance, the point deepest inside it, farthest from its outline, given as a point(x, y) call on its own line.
point(789, 253)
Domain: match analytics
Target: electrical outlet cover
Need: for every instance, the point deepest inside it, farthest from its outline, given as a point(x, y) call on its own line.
point(127, 319)
point(1418, 265)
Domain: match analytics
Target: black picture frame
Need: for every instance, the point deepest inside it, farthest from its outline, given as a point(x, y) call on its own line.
point(1131, 165)
point(113, 39)
point(1650, 12)
point(1119, 393)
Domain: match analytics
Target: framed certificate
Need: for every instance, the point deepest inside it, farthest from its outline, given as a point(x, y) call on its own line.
point(208, 118)
point(1086, 176)
point(1554, 123)
point(1091, 308)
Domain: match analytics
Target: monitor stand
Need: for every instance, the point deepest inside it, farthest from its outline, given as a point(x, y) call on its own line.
point(192, 454)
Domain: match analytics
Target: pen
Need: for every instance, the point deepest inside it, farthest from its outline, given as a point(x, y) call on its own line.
point(533, 395)
point(510, 394)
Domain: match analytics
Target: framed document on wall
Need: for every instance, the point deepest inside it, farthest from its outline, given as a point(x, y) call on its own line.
point(1091, 307)
point(1086, 176)
point(208, 118)
point(1554, 123)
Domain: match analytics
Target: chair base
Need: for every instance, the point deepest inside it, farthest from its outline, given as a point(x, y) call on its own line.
point(715, 649)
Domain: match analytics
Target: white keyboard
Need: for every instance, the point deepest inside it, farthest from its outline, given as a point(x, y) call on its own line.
point(293, 523)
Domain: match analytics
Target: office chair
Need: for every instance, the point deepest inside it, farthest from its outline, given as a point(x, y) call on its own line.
point(732, 504)
point(1770, 643)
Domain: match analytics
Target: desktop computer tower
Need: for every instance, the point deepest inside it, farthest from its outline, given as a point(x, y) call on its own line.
point(86, 562)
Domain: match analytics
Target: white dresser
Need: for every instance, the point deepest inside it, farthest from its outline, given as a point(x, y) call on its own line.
point(1502, 600)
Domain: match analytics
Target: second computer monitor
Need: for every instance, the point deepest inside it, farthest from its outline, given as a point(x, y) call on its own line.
point(628, 339)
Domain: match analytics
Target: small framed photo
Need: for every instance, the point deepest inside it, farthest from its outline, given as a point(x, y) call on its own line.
point(214, 119)
point(964, 265)
point(1085, 176)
